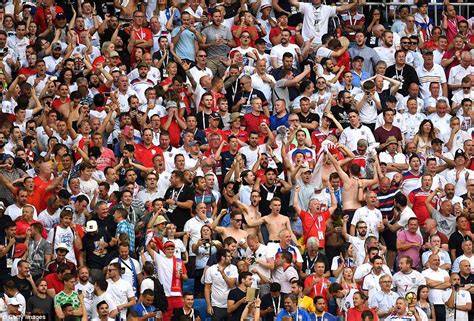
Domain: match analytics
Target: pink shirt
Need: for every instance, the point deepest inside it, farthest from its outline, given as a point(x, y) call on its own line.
point(413, 252)
point(453, 30)
point(107, 158)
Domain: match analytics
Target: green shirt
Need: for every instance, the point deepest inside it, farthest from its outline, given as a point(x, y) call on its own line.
point(62, 298)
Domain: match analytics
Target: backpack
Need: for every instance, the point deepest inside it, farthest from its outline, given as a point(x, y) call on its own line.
point(159, 301)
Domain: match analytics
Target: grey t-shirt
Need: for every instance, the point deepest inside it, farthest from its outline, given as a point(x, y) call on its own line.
point(212, 34)
point(446, 225)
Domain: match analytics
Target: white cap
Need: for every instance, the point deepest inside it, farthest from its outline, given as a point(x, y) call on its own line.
point(62, 246)
point(91, 226)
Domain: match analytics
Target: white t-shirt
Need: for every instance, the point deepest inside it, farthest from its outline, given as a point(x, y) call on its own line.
point(368, 112)
point(120, 292)
point(63, 235)
point(371, 283)
point(126, 266)
point(107, 297)
point(407, 282)
point(386, 54)
point(165, 270)
point(219, 288)
point(359, 249)
point(15, 212)
point(462, 298)
point(262, 254)
point(371, 217)
point(279, 50)
point(316, 20)
point(398, 158)
point(194, 226)
point(364, 269)
point(435, 295)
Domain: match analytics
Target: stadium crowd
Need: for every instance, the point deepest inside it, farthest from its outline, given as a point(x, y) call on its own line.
point(271, 160)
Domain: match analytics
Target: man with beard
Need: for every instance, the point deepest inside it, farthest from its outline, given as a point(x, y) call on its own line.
point(358, 242)
point(285, 69)
point(402, 72)
point(386, 51)
point(328, 67)
point(271, 187)
point(179, 200)
point(41, 300)
point(251, 150)
point(285, 46)
point(417, 198)
point(142, 82)
point(342, 108)
point(251, 212)
point(369, 55)
point(86, 288)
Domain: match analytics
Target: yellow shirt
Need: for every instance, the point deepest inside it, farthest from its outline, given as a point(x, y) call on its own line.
point(307, 304)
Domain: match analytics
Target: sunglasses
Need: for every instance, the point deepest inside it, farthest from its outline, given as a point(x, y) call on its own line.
point(405, 42)
point(238, 220)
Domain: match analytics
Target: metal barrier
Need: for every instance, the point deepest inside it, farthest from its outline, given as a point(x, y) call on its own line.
point(435, 8)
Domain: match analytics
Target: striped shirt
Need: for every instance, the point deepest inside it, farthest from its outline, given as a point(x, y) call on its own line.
point(387, 201)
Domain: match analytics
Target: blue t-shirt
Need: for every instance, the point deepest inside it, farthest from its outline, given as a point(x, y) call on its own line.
point(299, 315)
point(185, 45)
point(142, 310)
point(276, 122)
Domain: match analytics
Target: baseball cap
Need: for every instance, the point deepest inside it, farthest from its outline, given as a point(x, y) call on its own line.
point(215, 115)
point(20, 249)
point(459, 153)
point(194, 143)
point(168, 244)
point(265, 5)
point(427, 51)
point(171, 104)
point(60, 15)
point(56, 45)
point(91, 226)
point(357, 58)
point(114, 53)
point(141, 65)
point(62, 246)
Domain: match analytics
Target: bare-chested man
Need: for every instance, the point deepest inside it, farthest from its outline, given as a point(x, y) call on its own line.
point(251, 213)
point(352, 184)
point(275, 223)
point(235, 228)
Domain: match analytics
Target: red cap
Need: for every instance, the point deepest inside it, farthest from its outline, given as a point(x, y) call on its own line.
point(168, 244)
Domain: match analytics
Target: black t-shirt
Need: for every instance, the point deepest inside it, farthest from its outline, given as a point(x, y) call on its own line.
point(23, 286)
point(236, 295)
point(406, 76)
point(108, 224)
point(310, 264)
point(276, 303)
point(46, 305)
point(231, 10)
point(266, 194)
point(176, 214)
point(311, 117)
point(254, 93)
point(95, 256)
point(341, 115)
point(178, 315)
point(455, 242)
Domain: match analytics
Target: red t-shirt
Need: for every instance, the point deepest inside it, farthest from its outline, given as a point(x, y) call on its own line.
point(22, 226)
point(145, 155)
point(40, 196)
point(208, 131)
point(321, 288)
point(417, 198)
point(57, 103)
point(253, 122)
point(54, 282)
point(314, 225)
point(355, 315)
point(41, 14)
point(276, 30)
point(237, 40)
point(27, 71)
point(174, 131)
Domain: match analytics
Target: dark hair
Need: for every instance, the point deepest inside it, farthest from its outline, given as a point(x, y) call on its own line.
point(243, 276)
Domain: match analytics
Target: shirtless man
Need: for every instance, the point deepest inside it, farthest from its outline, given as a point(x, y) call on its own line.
point(234, 229)
point(251, 213)
point(352, 185)
point(275, 223)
